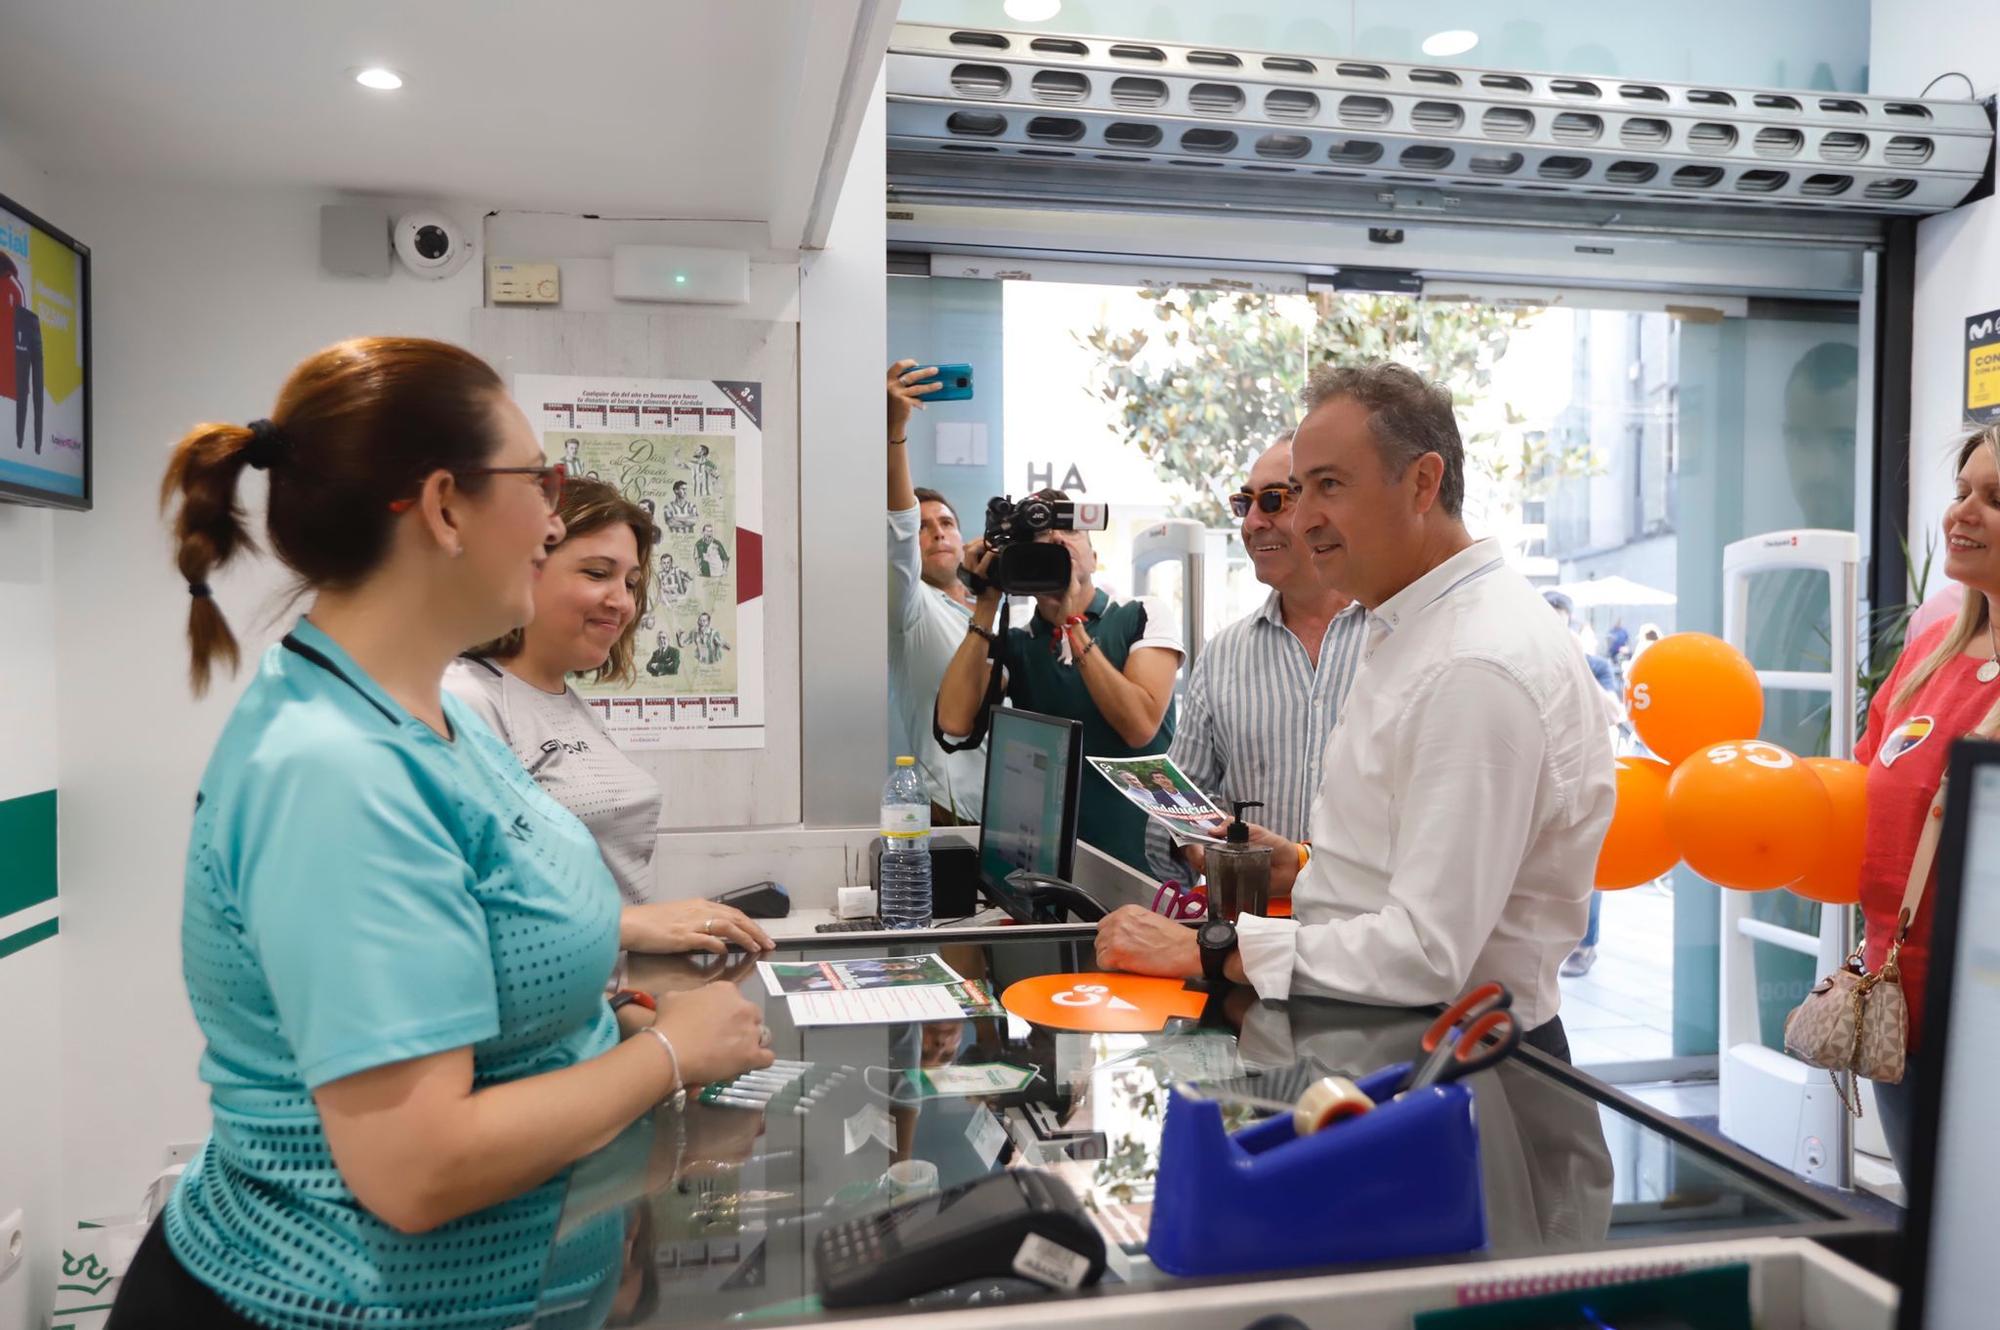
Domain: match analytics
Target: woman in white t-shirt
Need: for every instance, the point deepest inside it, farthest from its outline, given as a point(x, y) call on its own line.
point(589, 599)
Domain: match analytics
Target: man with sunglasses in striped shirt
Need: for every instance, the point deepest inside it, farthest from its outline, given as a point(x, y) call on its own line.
point(1265, 691)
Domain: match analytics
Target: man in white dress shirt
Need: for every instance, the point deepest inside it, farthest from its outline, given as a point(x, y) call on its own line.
point(1468, 784)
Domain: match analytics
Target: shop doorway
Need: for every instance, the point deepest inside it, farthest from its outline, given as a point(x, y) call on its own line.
point(1615, 443)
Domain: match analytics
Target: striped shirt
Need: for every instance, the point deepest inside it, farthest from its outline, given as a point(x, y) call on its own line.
point(1256, 719)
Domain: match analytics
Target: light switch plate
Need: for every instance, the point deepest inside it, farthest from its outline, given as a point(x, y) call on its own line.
point(523, 283)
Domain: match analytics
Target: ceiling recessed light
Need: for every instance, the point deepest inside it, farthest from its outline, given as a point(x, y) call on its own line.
point(1456, 41)
point(1032, 11)
point(378, 78)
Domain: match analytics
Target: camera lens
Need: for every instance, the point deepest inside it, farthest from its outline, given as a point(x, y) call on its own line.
point(432, 242)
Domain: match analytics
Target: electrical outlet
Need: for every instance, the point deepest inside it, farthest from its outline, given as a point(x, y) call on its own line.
point(13, 1242)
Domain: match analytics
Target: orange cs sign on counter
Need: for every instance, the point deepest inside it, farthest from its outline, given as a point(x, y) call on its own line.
point(1101, 1003)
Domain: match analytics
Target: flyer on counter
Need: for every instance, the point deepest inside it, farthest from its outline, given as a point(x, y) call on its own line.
point(975, 998)
point(690, 452)
point(1162, 791)
point(786, 978)
point(880, 990)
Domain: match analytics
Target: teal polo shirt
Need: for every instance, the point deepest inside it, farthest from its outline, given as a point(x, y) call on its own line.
point(1039, 681)
point(361, 891)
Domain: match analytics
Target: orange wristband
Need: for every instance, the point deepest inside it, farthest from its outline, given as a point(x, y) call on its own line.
point(1305, 854)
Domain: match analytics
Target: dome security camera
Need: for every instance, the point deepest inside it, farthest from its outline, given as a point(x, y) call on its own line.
point(431, 244)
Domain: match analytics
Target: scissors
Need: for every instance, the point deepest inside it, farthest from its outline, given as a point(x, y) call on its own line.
point(1475, 1032)
point(1175, 903)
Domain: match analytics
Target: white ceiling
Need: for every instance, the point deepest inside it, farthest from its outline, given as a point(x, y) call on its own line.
point(708, 109)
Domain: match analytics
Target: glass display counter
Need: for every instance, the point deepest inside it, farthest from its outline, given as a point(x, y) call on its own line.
point(713, 1210)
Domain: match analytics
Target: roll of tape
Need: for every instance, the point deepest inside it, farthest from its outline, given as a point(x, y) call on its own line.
point(1326, 1101)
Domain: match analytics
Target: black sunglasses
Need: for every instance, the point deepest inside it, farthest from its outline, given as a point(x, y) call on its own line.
point(1272, 499)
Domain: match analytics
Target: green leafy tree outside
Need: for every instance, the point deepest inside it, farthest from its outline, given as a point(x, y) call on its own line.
point(1206, 388)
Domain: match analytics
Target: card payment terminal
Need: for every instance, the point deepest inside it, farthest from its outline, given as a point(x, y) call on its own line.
point(1023, 1222)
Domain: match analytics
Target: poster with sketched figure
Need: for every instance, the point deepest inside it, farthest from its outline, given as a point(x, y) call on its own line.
point(690, 453)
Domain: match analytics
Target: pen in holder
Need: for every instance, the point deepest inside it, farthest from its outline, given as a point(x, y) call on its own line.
point(1400, 1181)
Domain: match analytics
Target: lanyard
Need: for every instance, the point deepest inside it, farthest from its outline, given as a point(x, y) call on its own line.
point(318, 657)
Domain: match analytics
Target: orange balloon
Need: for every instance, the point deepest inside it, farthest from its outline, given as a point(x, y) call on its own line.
point(1691, 690)
point(1748, 814)
point(1835, 877)
point(1637, 848)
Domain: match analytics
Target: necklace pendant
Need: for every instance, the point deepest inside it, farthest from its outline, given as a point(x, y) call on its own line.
point(1988, 672)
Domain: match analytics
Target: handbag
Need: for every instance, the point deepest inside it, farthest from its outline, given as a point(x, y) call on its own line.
point(1859, 1023)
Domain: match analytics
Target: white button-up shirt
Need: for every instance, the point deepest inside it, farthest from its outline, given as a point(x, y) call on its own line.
point(1463, 801)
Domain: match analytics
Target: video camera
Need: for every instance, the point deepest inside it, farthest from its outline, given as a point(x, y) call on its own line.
point(1023, 566)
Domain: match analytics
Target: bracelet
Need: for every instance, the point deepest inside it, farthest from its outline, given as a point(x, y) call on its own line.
point(1089, 645)
point(679, 1097)
point(986, 633)
point(632, 997)
point(897, 443)
point(1305, 854)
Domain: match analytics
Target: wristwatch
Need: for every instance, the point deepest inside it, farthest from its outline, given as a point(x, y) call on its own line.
point(1217, 940)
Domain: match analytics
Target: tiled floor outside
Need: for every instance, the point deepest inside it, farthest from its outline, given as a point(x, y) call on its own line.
point(1622, 1011)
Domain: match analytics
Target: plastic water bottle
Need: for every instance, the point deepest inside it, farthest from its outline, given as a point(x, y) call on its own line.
point(904, 883)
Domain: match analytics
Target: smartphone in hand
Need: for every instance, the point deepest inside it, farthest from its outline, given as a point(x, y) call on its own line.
point(957, 381)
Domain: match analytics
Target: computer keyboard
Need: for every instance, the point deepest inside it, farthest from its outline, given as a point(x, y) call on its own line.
point(872, 924)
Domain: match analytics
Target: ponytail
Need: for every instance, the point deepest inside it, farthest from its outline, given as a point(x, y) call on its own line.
point(363, 423)
point(208, 531)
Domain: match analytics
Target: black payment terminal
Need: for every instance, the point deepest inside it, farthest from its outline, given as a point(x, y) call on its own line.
point(1023, 1222)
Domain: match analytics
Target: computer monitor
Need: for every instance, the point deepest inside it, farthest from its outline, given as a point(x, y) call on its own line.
point(1955, 1165)
point(1034, 767)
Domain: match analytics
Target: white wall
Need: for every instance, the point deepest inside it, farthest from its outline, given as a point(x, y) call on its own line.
point(205, 299)
point(30, 979)
point(844, 617)
point(1958, 254)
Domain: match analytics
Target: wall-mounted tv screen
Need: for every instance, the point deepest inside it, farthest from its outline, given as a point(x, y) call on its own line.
point(44, 363)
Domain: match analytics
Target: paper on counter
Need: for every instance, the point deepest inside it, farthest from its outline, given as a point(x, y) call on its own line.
point(874, 1006)
point(789, 978)
point(876, 990)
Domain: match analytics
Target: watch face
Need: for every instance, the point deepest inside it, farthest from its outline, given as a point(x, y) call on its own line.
point(1217, 933)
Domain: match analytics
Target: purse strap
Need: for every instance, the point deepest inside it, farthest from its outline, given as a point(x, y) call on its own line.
point(1927, 841)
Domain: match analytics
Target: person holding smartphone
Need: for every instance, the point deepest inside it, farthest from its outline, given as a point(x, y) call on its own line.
point(929, 607)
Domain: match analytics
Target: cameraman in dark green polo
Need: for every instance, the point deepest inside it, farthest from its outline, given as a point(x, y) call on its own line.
point(1110, 664)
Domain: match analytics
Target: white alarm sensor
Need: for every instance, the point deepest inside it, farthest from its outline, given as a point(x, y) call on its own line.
point(681, 275)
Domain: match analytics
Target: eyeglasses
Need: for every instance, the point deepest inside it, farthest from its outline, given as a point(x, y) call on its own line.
point(1272, 499)
point(550, 478)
